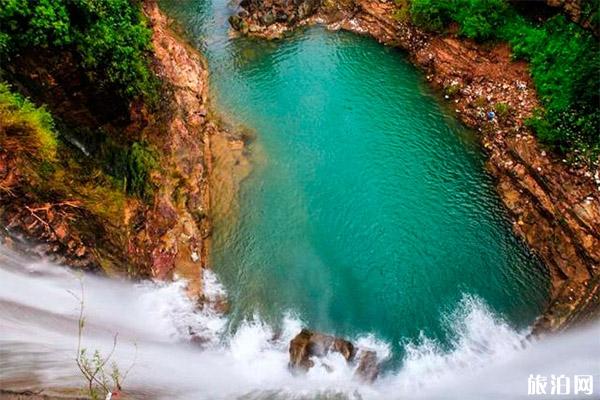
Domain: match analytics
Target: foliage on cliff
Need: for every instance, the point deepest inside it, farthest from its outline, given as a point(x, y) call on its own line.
point(111, 44)
point(34, 125)
point(110, 37)
point(564, 60)
point(28, 134)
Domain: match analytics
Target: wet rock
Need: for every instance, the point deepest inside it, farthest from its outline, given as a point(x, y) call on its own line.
point(368, 367)
point(268, 18)
point(309, 344)
point(281, 16)
point(236, 22)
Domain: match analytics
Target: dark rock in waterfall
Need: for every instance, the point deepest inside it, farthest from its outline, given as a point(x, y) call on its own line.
point(368, 367)
point(309, 344)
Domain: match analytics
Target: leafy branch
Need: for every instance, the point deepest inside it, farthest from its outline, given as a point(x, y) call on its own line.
point(101, 381)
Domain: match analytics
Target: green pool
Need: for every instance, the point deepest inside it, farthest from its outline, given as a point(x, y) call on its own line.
point(368, 209)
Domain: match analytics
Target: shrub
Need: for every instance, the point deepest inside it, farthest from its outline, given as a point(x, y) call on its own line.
point(565, 65)
point(502, 110)
point(480, 19)
point(132, 165)
point(35, 23)
point(110, 36)
point(433, 15)
point(33, 125)
point(564, 61)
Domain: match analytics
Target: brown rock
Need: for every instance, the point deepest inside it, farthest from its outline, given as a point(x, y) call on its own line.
point(309, 344)
point(368, 367)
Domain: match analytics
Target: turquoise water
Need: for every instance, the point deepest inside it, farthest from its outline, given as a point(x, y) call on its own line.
point(368, 209)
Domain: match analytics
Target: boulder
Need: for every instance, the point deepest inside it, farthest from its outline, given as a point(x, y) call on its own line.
point(268, 18)
point(309, 344)
point(368, 367)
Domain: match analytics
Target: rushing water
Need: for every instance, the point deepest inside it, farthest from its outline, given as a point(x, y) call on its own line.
point(368, 209)
point(38, 339)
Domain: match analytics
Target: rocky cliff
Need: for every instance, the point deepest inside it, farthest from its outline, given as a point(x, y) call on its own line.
point(81, 218)
point(555, 206)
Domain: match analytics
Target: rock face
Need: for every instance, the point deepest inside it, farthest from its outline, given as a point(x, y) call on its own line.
point(368, 367)
point(178, 228)
point(161, 236)
point(308, 344)
point(555, 207)
point(580, 11)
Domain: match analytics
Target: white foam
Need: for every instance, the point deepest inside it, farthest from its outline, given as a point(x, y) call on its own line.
point(486, 357)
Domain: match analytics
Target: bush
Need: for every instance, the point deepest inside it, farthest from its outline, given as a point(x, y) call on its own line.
point(480, 19)
point(32, 127)
point(503, 110)
point(133, 166)
point(477, 19)
point(110, 36)
point(565, 65)
point(564, 62)
point(433, 15)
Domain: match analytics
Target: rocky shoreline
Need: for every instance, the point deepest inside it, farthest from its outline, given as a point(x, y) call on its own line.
point(199, 148)
point(555, 206)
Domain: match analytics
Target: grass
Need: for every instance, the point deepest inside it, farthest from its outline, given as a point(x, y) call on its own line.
point(24, 124)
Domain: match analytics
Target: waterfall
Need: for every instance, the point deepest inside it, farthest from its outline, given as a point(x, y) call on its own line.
point(38, 339)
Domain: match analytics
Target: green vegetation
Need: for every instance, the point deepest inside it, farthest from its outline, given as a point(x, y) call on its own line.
point(564, 60)
point(503, 110)
point(565, 66)
point(109, 36)
point(111, 44)
point(477, 19)
point(28, 132)
point(132, 165)
point(24, 124)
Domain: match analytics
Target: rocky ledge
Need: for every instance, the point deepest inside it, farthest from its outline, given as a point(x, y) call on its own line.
point(160, 237)
point(554, 205)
